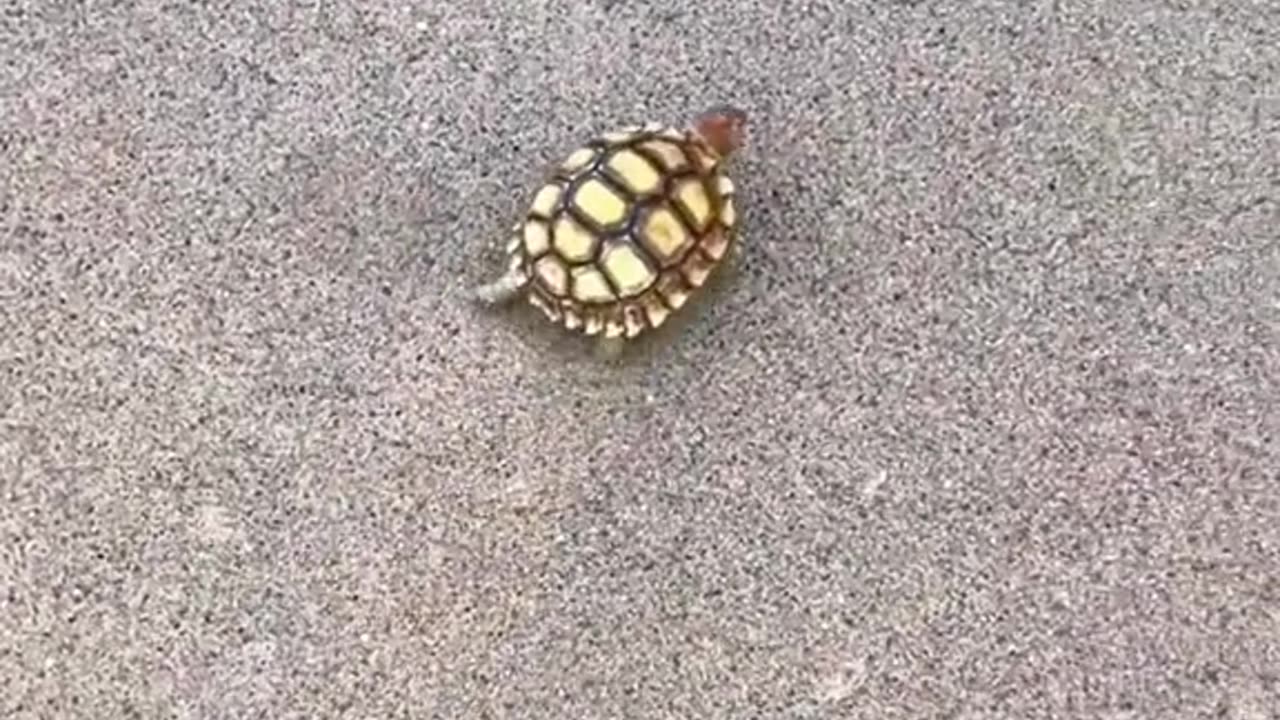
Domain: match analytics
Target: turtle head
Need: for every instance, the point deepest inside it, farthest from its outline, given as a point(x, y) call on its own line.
point(723, 127)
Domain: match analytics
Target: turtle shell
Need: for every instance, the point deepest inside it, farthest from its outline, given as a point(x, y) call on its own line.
point(625, 231)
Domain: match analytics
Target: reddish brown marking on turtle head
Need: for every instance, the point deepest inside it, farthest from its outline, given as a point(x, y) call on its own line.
point(723, 127)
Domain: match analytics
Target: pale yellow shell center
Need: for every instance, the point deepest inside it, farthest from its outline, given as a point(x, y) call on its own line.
point(629, 272)
point(636, 172)
point(572, 241)
point(599, 203)
point(664, 235)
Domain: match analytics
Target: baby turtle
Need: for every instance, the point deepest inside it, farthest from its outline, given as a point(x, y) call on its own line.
point(627, 228)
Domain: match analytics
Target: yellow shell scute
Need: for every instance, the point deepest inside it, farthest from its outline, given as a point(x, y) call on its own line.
point(673, 289)
point(664, 235)
point(552, 273)
point(544, 203)
point(716, 243)
point(671, 157)
point(696, 268)
point(589, 286)
point(728, 212)
point(600, 203)
point(654, 309)
point(692, 196)
point(636, 173)
point(574, 242)
point(622, 136)
point(578, 159)
point(572, 320)
point(629, 272)
point(672, 134)
point(537, 240)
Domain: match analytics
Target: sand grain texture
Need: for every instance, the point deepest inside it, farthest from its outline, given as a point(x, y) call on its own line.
point(986, 427)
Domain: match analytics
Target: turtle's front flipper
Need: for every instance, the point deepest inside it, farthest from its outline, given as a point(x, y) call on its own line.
point(503, 289)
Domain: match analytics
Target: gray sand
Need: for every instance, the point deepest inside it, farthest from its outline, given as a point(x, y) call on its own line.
point(984, 427)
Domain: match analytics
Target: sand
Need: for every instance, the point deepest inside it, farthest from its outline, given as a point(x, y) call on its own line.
point(984, 426)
